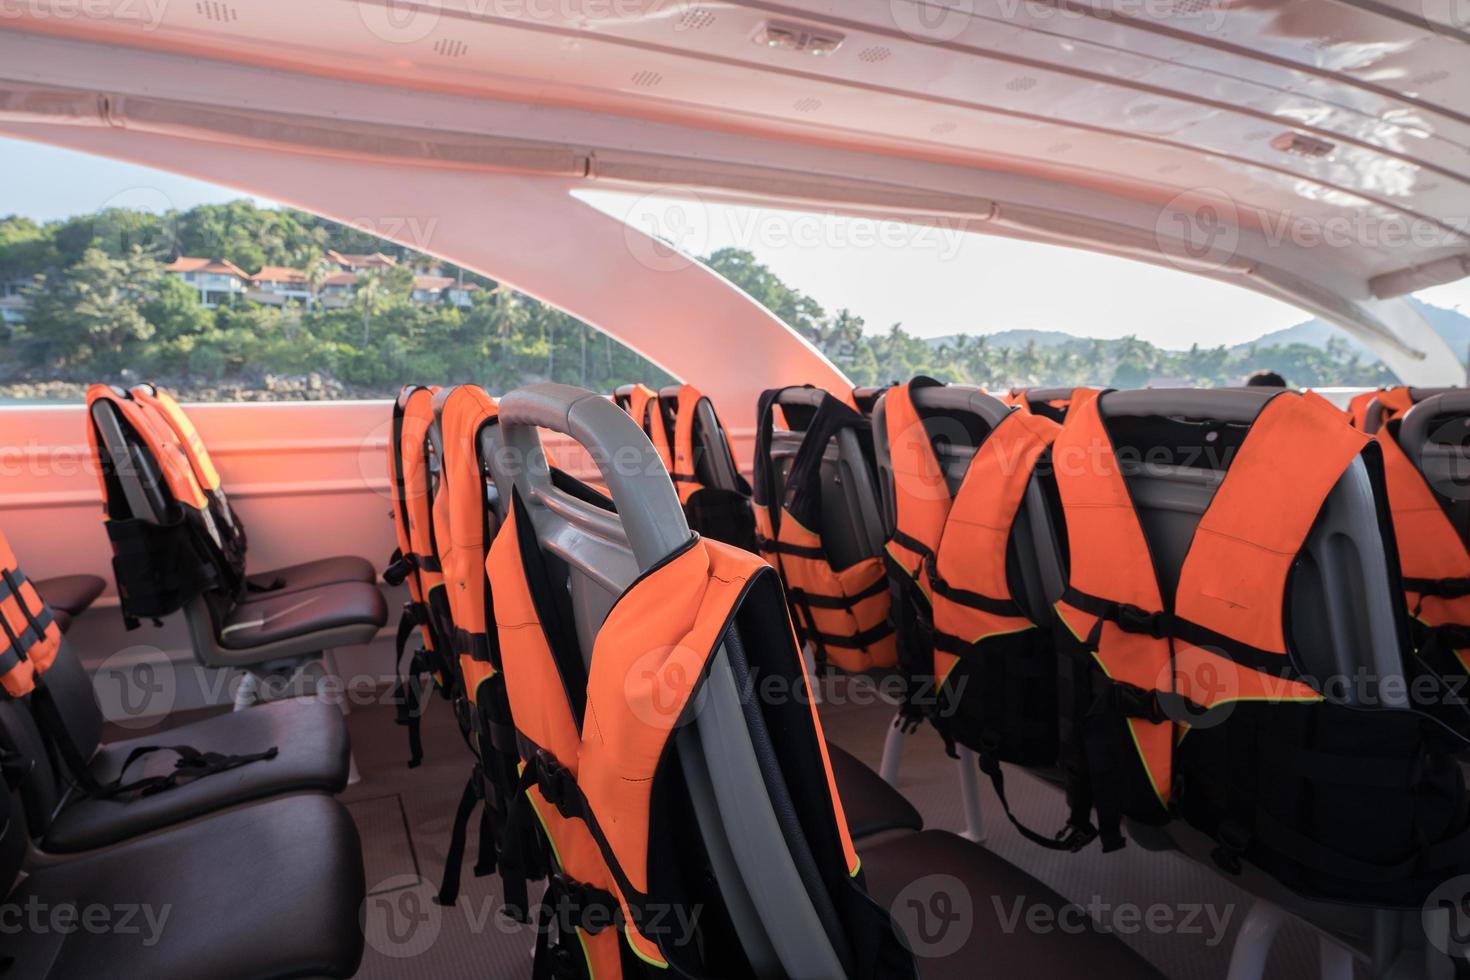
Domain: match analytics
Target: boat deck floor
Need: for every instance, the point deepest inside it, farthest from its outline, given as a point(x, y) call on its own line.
point(405, 816)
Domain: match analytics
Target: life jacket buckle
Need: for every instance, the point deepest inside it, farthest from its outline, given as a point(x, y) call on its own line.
point(1075, 836)
point(557, 785)
point(1133, 619)
point(575, 899)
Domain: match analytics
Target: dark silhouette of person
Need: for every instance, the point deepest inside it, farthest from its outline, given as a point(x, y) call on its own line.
point(1265, 379)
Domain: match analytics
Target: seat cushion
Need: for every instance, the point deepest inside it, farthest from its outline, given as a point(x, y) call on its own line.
point(309, 575)
point(284, 615)
point(70, 594)
point(63, 619)
point(959, 905)
point(870, 803)
point(310, 734)
point(271, 890)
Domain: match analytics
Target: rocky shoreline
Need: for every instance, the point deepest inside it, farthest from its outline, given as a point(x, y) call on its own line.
point(265, 388)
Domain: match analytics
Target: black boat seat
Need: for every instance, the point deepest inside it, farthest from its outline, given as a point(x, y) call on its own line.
point(268, 891)
point(313, 756)
point(70, 594)
point(955, 901)
point(871, 805)
point(309, 575)
point(276, 617)
point(310, 737)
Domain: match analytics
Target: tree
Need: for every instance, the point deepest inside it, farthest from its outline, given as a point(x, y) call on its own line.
point(89, 314)
point(369, 299)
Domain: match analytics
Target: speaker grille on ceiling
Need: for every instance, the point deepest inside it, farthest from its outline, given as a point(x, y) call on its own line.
point(1431, 77)
point(647, 79)
point(874, 54)
point(216, 10)
point(940, 129)
point(1168, 168)
point(807, 104)
point(695, 19)
point(1056, 148)
point(1186, 8)
point(1021, 84)
point(451, 48)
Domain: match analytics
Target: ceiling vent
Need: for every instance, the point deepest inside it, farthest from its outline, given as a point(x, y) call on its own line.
point(800, 38)
point(1022, 84)
point(1302, 145)
point(1058, 148)
point(220, 13)
point(940, 129)
point(807, 104)
point(647, 79)
point(695, 19)
point(874, 54)
point(451, 48)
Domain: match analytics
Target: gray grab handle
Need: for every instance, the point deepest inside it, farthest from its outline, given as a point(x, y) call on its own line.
point(636, 479)
point(1414, 429)
point(1224, 404)
point(962, 398)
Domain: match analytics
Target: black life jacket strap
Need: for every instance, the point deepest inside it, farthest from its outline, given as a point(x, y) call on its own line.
point(1073, 837)
point(857, 641)
point(190, 765)
point(818, 600)
point(1163, 625)
point(772, 546)
point(964, 597)
point(449, 885)
point(407, 710)
point(1439, 588)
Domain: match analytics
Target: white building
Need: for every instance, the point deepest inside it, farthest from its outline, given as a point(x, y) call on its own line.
point(218, 282)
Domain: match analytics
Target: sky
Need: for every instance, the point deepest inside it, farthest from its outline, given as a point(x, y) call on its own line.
point(934, 281)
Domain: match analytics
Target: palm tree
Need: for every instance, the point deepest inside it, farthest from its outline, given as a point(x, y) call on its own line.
point(369, 299)
point(318, 271)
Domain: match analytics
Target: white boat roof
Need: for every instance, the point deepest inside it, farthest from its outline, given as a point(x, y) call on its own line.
point(1317, 151)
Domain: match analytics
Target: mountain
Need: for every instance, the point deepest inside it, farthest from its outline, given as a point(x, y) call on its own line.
point(1452, 325)
point(1015, 339)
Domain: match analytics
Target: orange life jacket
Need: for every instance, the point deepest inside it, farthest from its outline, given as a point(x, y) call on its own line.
point(644, 405)
point(1196, 707)
point(596, 738)
point(415, 560)
point(167, 410)
point(1230, 595)
point(464, 524)
point(1432, 558)
point(160, 566)
point(977, 666)
point(30, 634)
point(844, 612)
point(1055, 409)
point(1392, 403)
